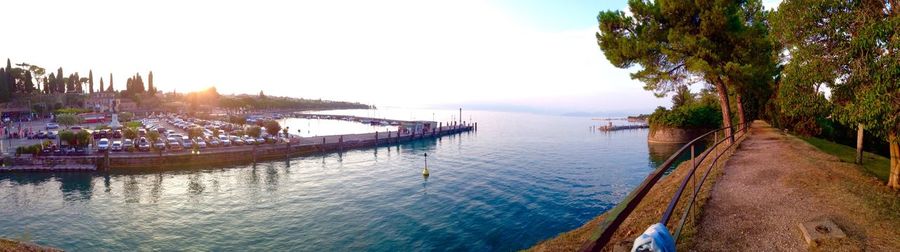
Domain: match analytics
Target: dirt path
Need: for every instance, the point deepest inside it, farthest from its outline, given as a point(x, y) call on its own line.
point(776, 181)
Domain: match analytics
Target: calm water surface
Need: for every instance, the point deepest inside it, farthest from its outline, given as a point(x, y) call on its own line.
point(520, 179)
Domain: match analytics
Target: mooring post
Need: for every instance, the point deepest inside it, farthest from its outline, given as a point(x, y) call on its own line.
point(341, 143)
point(376, 138)
point(476, 127)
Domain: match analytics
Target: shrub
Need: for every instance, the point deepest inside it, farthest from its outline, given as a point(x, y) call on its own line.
point(695, 115)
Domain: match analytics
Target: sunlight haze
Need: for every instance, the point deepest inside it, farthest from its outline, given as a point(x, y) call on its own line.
point(515, 55)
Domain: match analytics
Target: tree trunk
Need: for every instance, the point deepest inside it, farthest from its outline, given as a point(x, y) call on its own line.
point(894, 177)
point(859, 144)
point(741, 115)
point(726, 110)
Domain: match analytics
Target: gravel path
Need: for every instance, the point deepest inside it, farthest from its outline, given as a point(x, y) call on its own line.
point(776, 181)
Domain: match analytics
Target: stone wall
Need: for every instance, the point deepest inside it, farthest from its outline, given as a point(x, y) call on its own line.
point(674, 135)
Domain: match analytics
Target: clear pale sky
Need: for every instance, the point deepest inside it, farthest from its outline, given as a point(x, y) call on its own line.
point(505, 54)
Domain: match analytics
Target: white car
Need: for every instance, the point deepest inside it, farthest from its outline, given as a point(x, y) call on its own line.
point(51, 126)
point(103, 144)
point(116, 146)
point(224, 141)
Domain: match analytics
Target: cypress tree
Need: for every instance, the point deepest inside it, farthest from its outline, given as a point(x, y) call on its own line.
point(91, 81)
point(111, 89)
point(150, 87)
point(29, 83)
point(60, 81)
point(4, 88)
point(101, 85)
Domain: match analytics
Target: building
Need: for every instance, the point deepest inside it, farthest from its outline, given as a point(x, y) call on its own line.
point(127, 105)
point(100, 101)
point(417, 127)
point(93, 117)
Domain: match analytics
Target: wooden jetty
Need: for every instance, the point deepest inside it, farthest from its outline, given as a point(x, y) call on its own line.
point(234, 155)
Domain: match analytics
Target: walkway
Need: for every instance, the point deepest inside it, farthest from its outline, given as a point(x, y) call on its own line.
point(776, 181)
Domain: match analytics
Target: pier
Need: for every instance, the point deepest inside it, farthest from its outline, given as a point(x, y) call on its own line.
point(234, 155)
point(622, 127)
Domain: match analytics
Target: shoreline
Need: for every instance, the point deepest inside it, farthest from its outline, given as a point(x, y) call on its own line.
point(236, 155)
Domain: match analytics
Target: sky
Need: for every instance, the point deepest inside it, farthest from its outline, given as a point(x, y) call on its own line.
point(526, 55)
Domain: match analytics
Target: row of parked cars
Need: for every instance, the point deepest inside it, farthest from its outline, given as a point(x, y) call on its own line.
point(177, 142)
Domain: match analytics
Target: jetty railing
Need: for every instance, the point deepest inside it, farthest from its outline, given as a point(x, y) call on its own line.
point(621, 211)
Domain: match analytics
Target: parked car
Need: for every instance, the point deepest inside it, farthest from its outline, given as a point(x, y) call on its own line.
point(260, 140)
point(142, 132)
point(224, 141)
point(249, 140)
point(200, 143)
point(213, 142)
point(128, 144)
point(103, 144)
point(143, 144)
point(116, 146)
point(159, 144)
point(51, 126)
point(173, 144)
point(237, 140)
point(187, 144)
point(117, 134)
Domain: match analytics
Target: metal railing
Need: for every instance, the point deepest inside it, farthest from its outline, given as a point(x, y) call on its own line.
point(620, 212)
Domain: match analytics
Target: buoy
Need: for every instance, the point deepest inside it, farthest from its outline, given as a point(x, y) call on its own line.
point(425, 171)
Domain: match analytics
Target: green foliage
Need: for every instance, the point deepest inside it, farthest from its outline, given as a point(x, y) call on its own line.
point(134, 124)
point(71, 111)
point(68, 119)
point(873, 164)
point(126, 116)
point(677, 43)
point(152, 136)
point(852, 47)
point(195, 132)
point(130, 132)
point(254, 131)
point(693, 115)
point(274, 102)
point(272, 127)
point(237, 119)
point(82, 138)
point(29, 149)
point(683, 96)
point(68, 136)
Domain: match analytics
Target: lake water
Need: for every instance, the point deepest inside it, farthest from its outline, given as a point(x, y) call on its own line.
point(520, 179)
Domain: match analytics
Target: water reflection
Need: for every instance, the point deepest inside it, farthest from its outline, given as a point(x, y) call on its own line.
point(76, 186)
point(195, 184)
point(660, 152)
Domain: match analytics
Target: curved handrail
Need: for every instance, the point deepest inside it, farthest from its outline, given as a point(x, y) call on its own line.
point(620, 212)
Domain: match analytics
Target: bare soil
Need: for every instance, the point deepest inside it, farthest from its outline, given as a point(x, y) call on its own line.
point(777, 181)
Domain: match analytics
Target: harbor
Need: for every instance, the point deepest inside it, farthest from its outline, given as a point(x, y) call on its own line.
point(293, 147)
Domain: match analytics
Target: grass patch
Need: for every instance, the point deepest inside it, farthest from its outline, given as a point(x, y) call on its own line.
point(873, 164)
